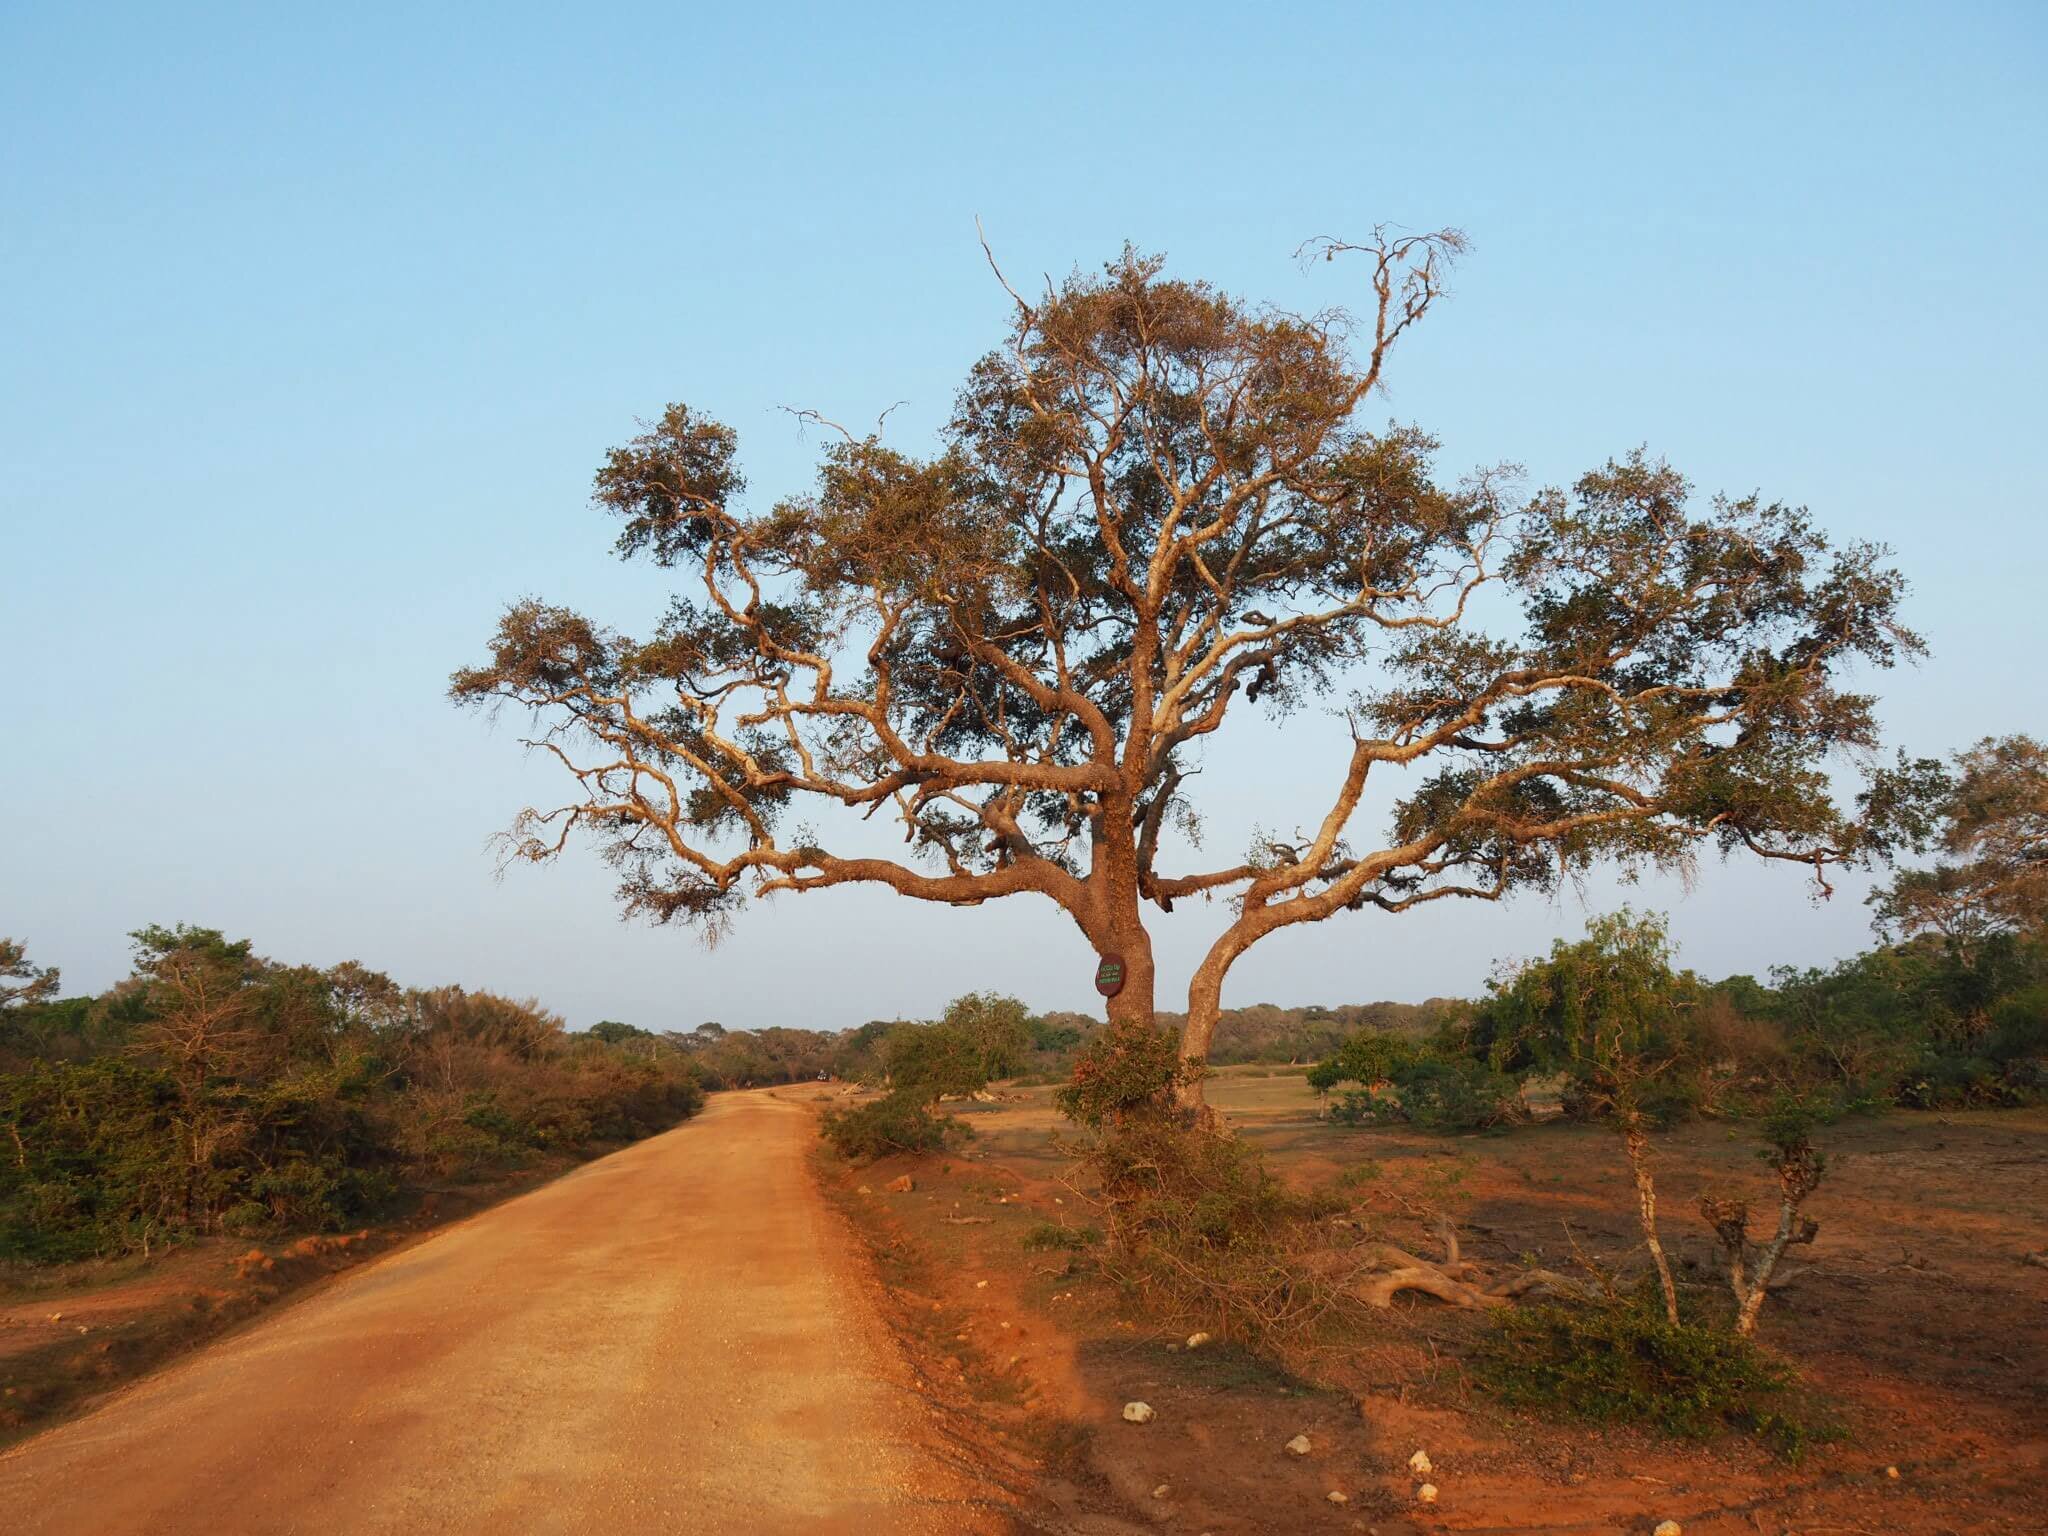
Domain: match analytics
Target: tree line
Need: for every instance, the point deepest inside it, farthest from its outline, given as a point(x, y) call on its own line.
point(214, 1090)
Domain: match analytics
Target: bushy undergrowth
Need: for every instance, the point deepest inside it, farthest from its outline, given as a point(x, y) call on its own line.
point(1198, 1228)
point(1621, 1362)
point(1922, 1025)
point(900, 1121)
point(215, 1091)
point(1051, 1237)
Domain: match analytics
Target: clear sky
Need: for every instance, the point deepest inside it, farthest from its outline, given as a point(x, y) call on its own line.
point(315, 322)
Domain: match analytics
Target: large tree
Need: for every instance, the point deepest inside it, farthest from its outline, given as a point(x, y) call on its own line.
point(1155, 509)
point(1994, 830)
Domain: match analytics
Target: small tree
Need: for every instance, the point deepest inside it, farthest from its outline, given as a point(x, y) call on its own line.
point(1154, 508)
point(1788, 1148)
point(1610, 1012)
point(1000, 1028)
point(932, 1061)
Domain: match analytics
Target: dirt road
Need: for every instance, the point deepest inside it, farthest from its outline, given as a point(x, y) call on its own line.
point(671, 1339)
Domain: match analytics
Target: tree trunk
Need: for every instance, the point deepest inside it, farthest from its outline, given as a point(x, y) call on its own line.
point(1205, 1002)
point(1135, 1003)
point(1637, 1142)
point(1788, 1233)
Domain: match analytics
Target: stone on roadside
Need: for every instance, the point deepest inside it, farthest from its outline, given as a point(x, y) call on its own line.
point(1668, 1528)
point(1419, 1464)
point(863, 1190)
point(1336, 1497)
point(1299, 1446)
point(1197, 1340)
point(1162, 1491)
point(1137, 1413)
point(1426, 1494)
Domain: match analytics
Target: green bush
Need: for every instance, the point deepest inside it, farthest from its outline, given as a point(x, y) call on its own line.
point(1131, 1069)
point(897, 1122)
point(1051, 1237)
point(1367, 1058)
point(1621, 1362)
point(98, 1159)
point(929, 1061)
point(1448, 1094)
point(1438, 1089)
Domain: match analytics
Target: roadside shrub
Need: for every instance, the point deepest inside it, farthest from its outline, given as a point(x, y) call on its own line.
point(97, 1161)
point(897, 1122)
point(1624, 1362)
point(930, 1061)
point(218, 1091)
point(1051, 1237)
point(1197, 1227)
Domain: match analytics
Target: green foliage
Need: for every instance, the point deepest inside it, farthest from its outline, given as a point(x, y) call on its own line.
point(1129, 1070)
point(1052, 1237)
point(930, 1061)
point(1608, 1011)
point(1367, 1058)
point(1928, 1024)
point(1198, 1227)
point(1441, 1093)
point(22, 984)
point(1613, 671)
point(999, 1029)
point(1623, 1363)
point(98, 1161)
point(749, 1058)
point(899, 1121)
point(1992, 815)
point(1437, 1088)
point(216, 1091)
point(1051, 1038)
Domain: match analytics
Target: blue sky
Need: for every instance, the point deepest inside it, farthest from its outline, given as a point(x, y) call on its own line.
point(313, 330)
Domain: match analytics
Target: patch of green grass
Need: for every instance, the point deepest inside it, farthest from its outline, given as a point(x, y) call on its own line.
point(1051, 1237)
point(1622, 1362)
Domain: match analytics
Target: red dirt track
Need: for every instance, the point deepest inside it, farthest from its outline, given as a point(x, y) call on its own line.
point(673, 1338)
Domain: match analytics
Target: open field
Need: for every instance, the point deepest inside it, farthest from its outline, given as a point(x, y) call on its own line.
point(1916, 1314)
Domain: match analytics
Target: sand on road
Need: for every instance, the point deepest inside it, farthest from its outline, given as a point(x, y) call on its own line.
point(674, 1338)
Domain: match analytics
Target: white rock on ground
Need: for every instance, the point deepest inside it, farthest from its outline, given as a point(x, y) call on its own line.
point(1299, 1446)
point(1668, 1528)
point(1337, 1498)
point(1197, 1340)
point(1419, 1464)
point(1137, 1413)
point(1426, 1494)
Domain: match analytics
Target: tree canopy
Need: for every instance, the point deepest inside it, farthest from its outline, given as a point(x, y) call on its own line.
point(1994, 831)
point(1155, 506)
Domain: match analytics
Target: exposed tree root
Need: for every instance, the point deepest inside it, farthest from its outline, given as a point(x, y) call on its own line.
point(1455, 1281)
